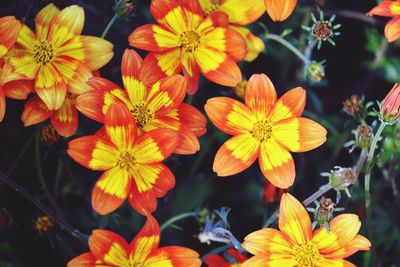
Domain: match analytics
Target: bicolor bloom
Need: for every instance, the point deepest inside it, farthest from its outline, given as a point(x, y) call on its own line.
point(390, 106)
point(110, 249)
point(132, 165)
point(280, 10)
point(233, 259)
point(9, 30)
point(153, 103)
point(297, 245)
point(389, 8)
point(184, 40)
point(264, 127)
point(240, 13)
point(57, 56)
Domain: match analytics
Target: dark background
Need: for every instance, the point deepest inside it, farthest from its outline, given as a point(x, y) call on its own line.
point(349, 71)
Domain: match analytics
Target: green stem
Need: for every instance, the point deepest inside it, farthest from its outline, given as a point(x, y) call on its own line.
point(41, 175)
point(74, 232)
point(176, 218)
point(109, 25)
point(368, 177)
point(19, 157)
point(279, 39)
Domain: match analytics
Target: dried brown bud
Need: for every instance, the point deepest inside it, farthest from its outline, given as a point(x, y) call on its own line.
point(43, 224)
point(324, 210)
point(240, 89)
point(48, 135)
point(363, 136)
point(353, 106)
point(342, 178)
point(322, 30)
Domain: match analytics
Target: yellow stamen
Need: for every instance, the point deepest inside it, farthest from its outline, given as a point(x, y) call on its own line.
point(43, 52)
point(307, 254)
point(262, 131)
point(142, 114)
point(126, 161)
point(190, 41)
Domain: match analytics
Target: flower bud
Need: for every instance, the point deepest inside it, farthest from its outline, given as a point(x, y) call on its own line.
point(316, 71)
point(363, 136)
point(124, 8)
point(280, 10)
point(390, 107)
point(43, 224)
point(48, 135)
point(324, 211)
point(353, 106)
point(341, 178)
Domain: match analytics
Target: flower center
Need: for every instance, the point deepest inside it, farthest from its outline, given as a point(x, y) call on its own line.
point(211, 9)
point(322, 30)
point(307, 254)
point(142, 114)
point(262, 131)
point(43, 52)
point(189, 40)
point(126, 161)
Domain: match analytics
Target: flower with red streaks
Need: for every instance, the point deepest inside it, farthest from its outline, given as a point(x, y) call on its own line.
point(110, 249)
point(184, 40)
point(389, 8)
point(132, 165)
point(390, 107)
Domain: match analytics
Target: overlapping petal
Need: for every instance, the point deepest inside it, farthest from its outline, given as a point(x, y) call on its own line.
point(260, 95)
point(279, 10)
point(9, 30)
point(267, 241)
point(243, 12)
point(146, 241)
point(291, 104)
point(35, 111)
point(65, 119)
point(392, 29)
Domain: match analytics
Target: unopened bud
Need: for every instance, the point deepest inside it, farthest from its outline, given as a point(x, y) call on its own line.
point(43, 224)
point(324, 211)
point(124, 8)
point(390, 107)
point(363, 136)
point(316, 71)
point(48, 135)
point(353, 106)
point(342, 178)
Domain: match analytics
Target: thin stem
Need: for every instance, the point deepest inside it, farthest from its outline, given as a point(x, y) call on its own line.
point(19, 157)
point(277, 38)
point(368, 176)
point(322, 190)
point(41, 175)
point(74, 232)
point(176, 218)
point(109, 25)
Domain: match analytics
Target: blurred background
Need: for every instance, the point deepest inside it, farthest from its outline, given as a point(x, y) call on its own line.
point(361, 63)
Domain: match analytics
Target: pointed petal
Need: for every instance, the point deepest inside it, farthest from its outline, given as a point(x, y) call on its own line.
point(218, 67)
point(43, 20)
point(35, 111)
point(9, 29)
point(260, 95)
point(188, 143)
point(151, 37)
point(144, 202)
point(169, 14)
point(392, 29)
point(343, 229)
point(267, 241)
point(173, 256)
point(279, 10)
point(243, 12)
point(236, 155)
point(274, 260)
point(111, 190)
point(2, 105)
point(109, 247)
point(254, 44)
point(294, 221)
point(387, 8)
point(191, 72)
point(26, 38)
point(155, 146)
point(84, 260)
point(229, 115)
point(93, 152)
point(358, 243)
point(291, 104)
point(158, 66)
point(146, 241)
point(65, 119)
point(130, 69)
point(19, 89)
point(120, 126)
point(98, 52)
point(299, 134)
point(50, 87)
point(24, 65)
point(167, 94)
point(193, 119)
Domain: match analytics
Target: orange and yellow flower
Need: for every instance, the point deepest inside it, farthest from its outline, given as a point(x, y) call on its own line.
point(219, 261)
point(280, 10)
point(132, 165)
point(389, 8)
point(110, 249)
point(296, 244)
point(153, 103)
point(9, 30)
point(390, 107)
point(263, 128)
point(240, 13)
point(58, 55)
point(184, 40)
